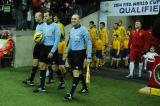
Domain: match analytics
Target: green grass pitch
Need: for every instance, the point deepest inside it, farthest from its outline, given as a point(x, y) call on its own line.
point(103, 92)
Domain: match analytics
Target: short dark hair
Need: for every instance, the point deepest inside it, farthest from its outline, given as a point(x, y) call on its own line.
point(137, 20)
point(56, 15)
point(116, 35)
point(91, 22)
point(102, 23)
point(117, 24)
point(129, 27)
point(50, 12)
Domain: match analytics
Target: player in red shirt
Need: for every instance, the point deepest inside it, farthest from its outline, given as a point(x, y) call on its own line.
point(136, 45)
point(150, 40)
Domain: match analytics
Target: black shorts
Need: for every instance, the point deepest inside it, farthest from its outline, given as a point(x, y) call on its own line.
point(125, 53)
point(99, 54)
point(60, 61)
point(44, 55)
point(76, 59)
point(37, 50)
point(114, 54)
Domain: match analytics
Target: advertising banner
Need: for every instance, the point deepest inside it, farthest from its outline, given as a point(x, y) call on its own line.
point(130, 7)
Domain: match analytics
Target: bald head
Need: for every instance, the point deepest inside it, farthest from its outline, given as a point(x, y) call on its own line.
point(38, 17)
point(75, 16)
point(75, 20)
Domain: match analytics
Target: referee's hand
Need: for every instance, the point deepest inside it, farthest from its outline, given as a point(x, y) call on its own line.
point(50, 55)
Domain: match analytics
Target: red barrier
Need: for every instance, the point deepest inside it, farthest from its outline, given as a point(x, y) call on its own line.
point(155, 78)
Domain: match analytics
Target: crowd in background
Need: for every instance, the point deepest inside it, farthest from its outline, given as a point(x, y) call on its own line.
point(21, 12)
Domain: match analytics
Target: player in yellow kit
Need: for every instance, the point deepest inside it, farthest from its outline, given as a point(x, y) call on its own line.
point(60, 25)
point(93, 34)
point(103, 35)
point(115, 51)
point(122, 30)
point(125, 50)
point(117, 32)
point(99, 51)
point(61, 55)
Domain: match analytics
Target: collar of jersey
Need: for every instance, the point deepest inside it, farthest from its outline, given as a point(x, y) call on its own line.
point(76, 27)
point(49, 23)
point(40, 23)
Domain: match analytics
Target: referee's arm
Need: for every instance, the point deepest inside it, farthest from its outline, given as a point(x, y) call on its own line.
point(89, 44)
point(57, 34)
point(68, 47)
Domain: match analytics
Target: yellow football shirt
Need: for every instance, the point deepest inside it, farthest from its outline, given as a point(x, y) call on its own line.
point(103, 34)
point(62, 47)
point(116, 32)
point(116, 45)
point(61, 27)
point(125, 44)
point(99, 44)
point(122, 32)
point(93, 33)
